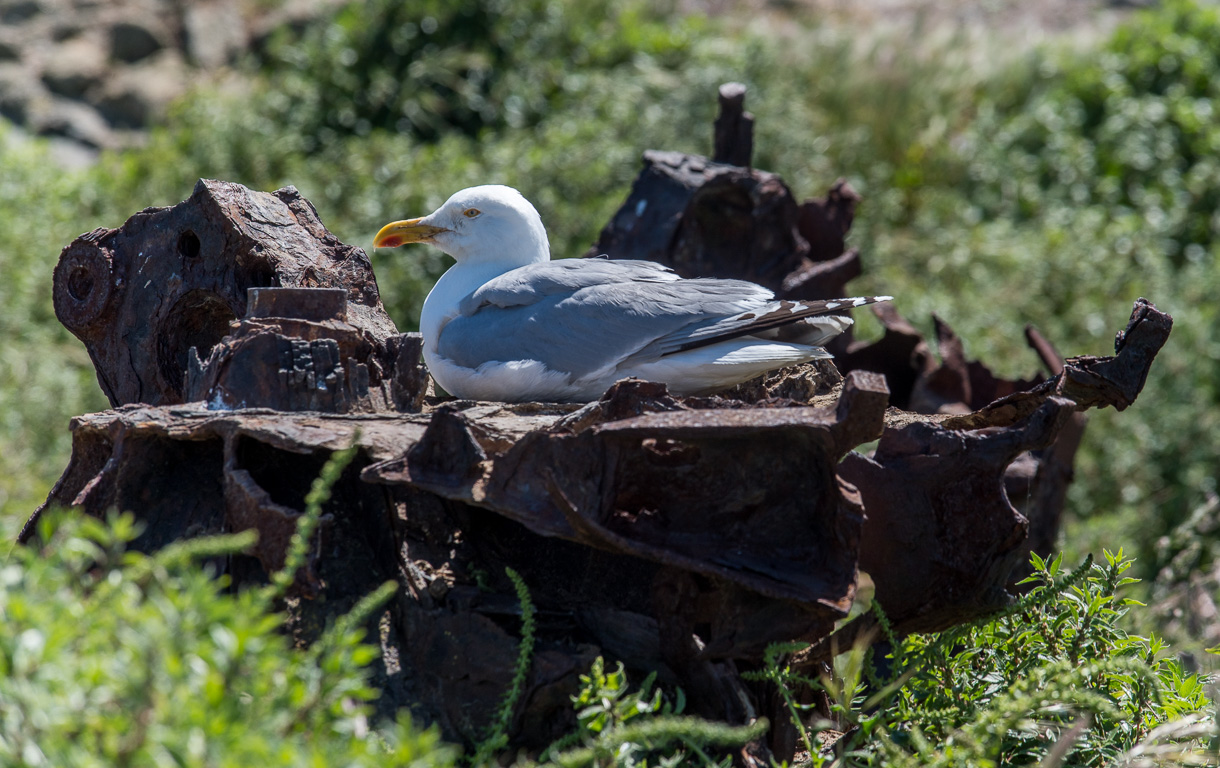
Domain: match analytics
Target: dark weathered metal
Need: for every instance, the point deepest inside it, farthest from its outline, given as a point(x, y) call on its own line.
point(315, 304)
point(322, 363)
point(141, 296)
point(942, 538)
point(707, 219)
point(640, 522)
point(733, 132)
point(825, 221)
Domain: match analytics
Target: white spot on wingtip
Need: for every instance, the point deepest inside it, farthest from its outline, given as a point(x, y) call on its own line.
point(860, 302)
point(640, 207)
point(832, 305)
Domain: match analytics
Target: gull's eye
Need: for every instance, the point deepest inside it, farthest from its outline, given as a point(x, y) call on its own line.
point(470, 213)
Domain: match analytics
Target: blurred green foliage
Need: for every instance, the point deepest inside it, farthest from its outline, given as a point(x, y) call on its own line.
point(1088, 183)
point(109, 657)
point(1053, 189)
point(433, 68)
point(45, 374)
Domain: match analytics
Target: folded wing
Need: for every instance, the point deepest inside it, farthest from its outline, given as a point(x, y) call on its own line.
point(584, 317)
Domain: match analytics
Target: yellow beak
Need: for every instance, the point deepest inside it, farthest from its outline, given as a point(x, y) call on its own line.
point(398, 233)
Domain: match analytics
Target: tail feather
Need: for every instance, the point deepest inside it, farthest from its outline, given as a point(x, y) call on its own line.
point(780, 314)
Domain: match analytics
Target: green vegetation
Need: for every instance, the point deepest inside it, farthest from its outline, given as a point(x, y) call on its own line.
point(110, 657)
point(1054, 674)
point(1052, 189)
point(116, 658)
point(497, 738)
point(1086, 184)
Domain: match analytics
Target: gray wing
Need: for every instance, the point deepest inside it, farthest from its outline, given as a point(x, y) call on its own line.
point(533, 282)
point(579, 319)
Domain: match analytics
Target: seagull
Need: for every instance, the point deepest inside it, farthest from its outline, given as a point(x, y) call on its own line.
point(507, 324)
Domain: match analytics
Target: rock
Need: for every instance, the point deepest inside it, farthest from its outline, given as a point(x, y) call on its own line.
point(74, 120)
point(18, 92)
point(75, 67)
point(215, 33)
point(67, 28)
point(134, 96)
point(17, 11)
point(132, 40)
point(124, 60)
point(10, 46)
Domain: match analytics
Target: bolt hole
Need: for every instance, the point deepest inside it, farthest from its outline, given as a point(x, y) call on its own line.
point(80, 283)
point(188, 245)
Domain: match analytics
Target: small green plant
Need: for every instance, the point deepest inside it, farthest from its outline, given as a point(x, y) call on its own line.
point(111, 657)
point(497, 738)
point(1053, 675)
point(621, 726)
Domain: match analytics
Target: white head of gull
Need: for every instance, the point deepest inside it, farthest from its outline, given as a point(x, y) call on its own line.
point(506, 323)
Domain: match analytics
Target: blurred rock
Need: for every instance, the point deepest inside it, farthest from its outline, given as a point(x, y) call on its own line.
point(215, 33)
point(18, 11)
point(18, 89)
point(93, 74)
point(137, 95)
point(10, 47)
point(135, 39)
point(71, 155)
point(75, 67)
point(74, 120)
point(67, 28)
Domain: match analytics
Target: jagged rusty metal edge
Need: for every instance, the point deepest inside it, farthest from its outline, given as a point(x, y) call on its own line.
point(566, 485)
point(934, 563)
point(1087, 380)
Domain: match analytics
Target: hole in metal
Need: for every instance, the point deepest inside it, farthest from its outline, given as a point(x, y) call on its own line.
point(199, 319)
point(80, 283)
point(188, 245)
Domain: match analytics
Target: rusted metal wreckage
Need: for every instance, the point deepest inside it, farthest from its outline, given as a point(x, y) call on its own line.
point(240, 343)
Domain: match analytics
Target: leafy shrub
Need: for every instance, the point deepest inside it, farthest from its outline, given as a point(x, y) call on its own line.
point(111, 657)
point(1054, 675)
point(625, 726)
point(115, 658)
point(1131, 128)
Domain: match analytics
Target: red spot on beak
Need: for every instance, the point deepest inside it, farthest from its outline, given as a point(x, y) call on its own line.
point(390, 242)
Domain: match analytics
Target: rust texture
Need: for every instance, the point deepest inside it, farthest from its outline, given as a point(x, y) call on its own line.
point(171, 279)
point(681, 535)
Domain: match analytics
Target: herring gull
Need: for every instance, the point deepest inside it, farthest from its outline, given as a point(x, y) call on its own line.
point(505, 323)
